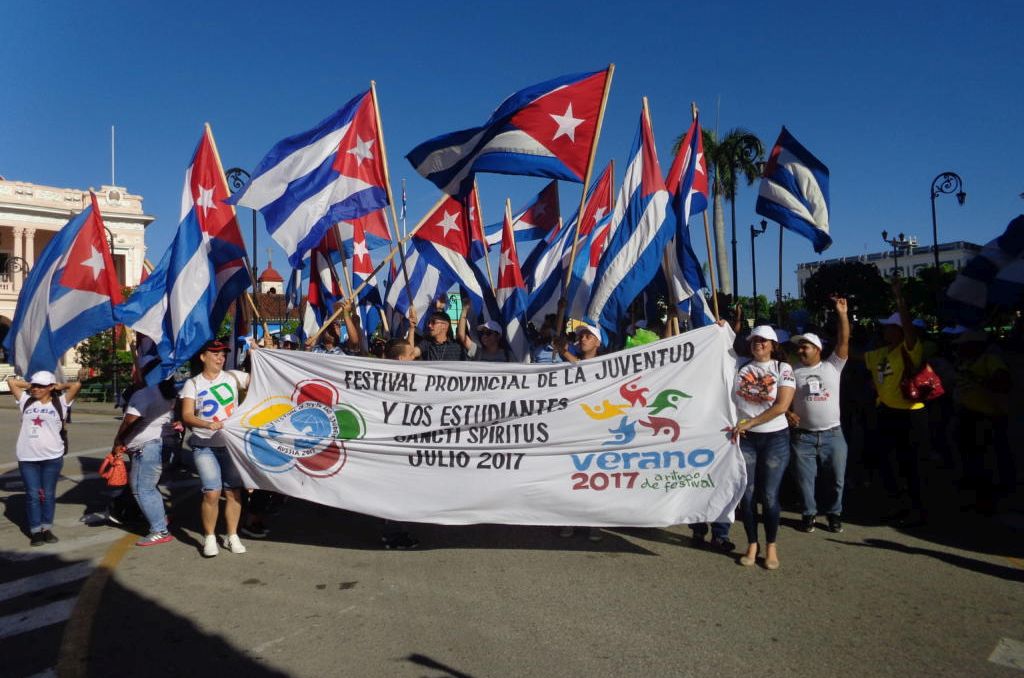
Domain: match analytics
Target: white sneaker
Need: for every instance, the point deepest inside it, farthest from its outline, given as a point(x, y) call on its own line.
point(234, 544)
point(210, 546)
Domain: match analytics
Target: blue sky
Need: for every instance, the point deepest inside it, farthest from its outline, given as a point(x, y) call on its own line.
point(888, 95)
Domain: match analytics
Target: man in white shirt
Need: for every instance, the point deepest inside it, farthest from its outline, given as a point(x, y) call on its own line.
point(816, 437)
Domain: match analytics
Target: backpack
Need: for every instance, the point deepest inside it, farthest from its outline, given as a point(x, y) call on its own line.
point(60, 415)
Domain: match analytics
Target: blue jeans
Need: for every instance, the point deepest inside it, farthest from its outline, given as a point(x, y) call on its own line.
point(766, 456)
point(147, 465)
point(40, 479)
point(216, 469)
point(824, 448)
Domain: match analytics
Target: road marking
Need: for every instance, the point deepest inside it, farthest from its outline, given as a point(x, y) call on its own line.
point(63, 546)
point(36, 618)
point(73, 656)
point(1008, 652)
point(38, 582)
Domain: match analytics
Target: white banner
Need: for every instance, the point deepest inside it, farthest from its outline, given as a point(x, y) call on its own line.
point(634, 438)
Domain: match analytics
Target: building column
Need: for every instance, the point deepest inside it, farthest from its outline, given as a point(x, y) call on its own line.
point(30, 247)
point(16, 252)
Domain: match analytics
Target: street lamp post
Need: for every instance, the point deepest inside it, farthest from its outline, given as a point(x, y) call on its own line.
point(949, 183)
point(237, 179)
point(898, 242)
point(754, 232)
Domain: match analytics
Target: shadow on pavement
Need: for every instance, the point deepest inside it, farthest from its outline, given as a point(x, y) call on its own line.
point(980, 566)
point(427, 662)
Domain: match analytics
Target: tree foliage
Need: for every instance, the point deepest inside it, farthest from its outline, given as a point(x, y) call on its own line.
point(860, 282)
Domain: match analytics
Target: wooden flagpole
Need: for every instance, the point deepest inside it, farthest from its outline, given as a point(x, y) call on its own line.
point(220, 169)
point(586, 185)
point(387, 187)
point(707, 238)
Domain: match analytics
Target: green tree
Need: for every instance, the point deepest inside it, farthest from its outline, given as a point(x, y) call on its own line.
point(95, 353)
point(860, 282)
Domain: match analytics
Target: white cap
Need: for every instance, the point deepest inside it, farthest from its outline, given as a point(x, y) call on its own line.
point(489, 325)
point(43, 378)
point(894, 319)
point(583, 327)
point(765, 332)
point(290, 339)
point(810, 338)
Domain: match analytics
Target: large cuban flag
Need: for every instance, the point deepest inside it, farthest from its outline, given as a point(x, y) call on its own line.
point(993, 278)
point(68, 296)
point(794, 191)
point(173, 307)
point(639, 238)
point(511, 294)
point(312, 180)
point(594, 234)
point(206, 189)
point(546, 130)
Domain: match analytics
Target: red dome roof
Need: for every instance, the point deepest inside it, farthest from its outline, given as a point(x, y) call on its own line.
point(269, 274)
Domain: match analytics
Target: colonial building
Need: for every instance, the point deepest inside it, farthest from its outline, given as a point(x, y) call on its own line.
point(30, 216)
point(910, 259)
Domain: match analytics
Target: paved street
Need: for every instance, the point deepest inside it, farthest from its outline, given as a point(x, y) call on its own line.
point(320, 598)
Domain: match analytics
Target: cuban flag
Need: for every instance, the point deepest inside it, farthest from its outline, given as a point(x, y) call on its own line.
point(544, 272)
point(638, 240)
point(546, 130)
point(443, 238)
point(479, 247)
point(426, 284)
point(533, 222)
point(687, 184)
point(794, 191)
point(511, 293)
point(174, 306)
point(369, 299)
point(324, 288)
point(69, 295)
point(993, 278)
point(312, 180)
point(206, 189)
point(597, 222)
point(375, 232)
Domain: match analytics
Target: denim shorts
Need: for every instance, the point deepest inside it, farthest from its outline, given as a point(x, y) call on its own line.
point(216, 469)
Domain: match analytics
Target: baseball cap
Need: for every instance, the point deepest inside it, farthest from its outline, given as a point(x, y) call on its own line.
point(290, 339)
point(583, 327)
point(764, 332)
point(43, 378)
point(214, 346)
point(439, 315)
point(809, 337)
point(489, 325)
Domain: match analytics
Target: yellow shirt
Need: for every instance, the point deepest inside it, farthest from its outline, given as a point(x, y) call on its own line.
point(972, 390)
point(887, 371)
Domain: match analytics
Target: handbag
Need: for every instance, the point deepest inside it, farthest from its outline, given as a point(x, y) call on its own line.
point(113, 470)
point(919, 384)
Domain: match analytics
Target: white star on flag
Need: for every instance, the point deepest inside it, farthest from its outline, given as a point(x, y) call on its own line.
point(700, 164)
point(539, 209)
point(506, 260)
point(567, 124)
point(599, 213)
point(362, 150)
point(448, 222)
point(359, 249)
point(95, 262)
point(205, 200)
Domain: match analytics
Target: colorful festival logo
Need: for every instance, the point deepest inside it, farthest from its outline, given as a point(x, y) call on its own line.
point(638, 410)
point(305, 431)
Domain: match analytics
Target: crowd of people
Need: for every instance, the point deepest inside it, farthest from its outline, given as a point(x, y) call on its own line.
point(803, 403)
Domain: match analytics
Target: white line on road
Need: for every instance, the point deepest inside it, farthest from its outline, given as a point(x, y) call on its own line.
point(36, 618)
point(62, 547)
point(1008, 652)
point(38, 582)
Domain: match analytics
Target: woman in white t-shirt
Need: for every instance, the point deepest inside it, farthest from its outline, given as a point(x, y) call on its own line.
point(763, 392)
point(40, 447)
point(208, 399)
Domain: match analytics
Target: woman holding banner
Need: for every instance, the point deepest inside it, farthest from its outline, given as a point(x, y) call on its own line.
point(763, 392)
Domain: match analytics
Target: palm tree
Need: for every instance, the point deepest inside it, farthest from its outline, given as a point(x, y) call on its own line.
point(739, 153)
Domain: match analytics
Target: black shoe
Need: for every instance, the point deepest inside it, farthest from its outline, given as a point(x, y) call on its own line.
point(807, 524)
point(255, 531)
point(50, 537)
point(36, 539)
point(835, 524)
point(722, 544)
point(401, 541)
point(697, 541)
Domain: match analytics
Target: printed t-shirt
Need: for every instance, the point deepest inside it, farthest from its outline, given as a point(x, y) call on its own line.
point(39, 438)
point(816, 400)
point(154, 410)
point(886, 372)
point(757, 387)
point(216, 400)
